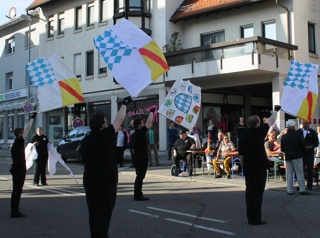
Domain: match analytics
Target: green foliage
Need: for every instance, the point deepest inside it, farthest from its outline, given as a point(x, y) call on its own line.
point(174, 43)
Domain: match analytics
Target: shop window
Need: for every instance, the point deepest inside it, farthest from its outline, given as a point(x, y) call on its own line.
point(10, 127)
point(11, 46)
point(20, 119)
point(1, 126)
point(78, 18)
point(311, 38)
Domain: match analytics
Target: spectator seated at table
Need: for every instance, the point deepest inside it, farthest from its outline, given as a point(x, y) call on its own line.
point(211, 149)
point(273, 150)
point(224, 153)
point(180, 148)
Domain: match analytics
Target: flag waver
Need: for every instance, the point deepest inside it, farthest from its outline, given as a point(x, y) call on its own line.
point(133, 57)
point(56, 83)
point(300, 90)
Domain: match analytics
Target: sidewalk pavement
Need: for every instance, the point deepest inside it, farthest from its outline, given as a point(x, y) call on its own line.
point(163, 170)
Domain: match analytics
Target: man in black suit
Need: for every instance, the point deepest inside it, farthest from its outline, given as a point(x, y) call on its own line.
point(311, 141)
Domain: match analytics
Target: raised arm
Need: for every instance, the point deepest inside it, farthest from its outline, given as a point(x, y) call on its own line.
point(28, 126)
point(149, 121)
point(121, 113)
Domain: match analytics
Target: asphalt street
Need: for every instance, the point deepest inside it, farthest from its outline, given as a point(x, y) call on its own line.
point(197, 206)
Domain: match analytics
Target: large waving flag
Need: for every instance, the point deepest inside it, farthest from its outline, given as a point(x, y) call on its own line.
point(56, 83)
point(182, 104)
point(133, 57)
point(300, 90)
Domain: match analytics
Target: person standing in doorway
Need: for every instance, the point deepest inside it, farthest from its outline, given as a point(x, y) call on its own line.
point(121, 144)
point(41, 143)
point(18, 168)
point(255, 164)
point(140, 153)
point(311, 141)
point(152, 139)
point(100, 176)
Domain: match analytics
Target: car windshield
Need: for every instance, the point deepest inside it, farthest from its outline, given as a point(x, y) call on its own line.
point(72, 134)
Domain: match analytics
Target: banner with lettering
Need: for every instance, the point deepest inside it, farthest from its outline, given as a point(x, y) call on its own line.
point(182, 104)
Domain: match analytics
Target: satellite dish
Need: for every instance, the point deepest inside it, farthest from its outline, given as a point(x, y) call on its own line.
point(12, 13)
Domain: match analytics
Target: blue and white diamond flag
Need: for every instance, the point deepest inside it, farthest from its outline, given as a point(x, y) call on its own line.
point(182, 104)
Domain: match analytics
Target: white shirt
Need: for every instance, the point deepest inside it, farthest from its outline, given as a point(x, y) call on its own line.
point(120, 139)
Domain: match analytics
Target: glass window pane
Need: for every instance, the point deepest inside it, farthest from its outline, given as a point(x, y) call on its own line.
point(90, 63)
point(269, 29)
point(78, 18)
point(1, 127)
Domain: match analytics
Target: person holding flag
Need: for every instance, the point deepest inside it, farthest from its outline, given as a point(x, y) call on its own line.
point(100, 176)
point(18, 168)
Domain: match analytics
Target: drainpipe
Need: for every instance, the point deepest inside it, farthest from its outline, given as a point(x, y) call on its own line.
point(288, 20)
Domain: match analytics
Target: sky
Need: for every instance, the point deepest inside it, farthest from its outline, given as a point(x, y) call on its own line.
point(20, 6)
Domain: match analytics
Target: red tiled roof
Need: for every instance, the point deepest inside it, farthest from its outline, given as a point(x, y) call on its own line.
point(37, 3)
point(195, 8)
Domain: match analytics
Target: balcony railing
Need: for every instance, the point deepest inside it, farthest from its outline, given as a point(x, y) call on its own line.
point(239, 47)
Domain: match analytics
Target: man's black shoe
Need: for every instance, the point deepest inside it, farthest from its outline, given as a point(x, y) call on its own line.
point(44, 184)
point(229, 177)
point(142, 198)
point(219, 176)
point(308, 188)
point(257, 223)
point(304, 193)
point(35, 184)
point(17, 214)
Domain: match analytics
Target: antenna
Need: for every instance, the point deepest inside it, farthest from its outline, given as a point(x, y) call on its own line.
point(12, 13)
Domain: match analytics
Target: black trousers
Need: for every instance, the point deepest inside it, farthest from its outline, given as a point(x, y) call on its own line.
point(308, 160)
point(101, 201)
point(175, 161)
point(40, 170)
point(255, 184)
point(18, 178)
point(120, 152)
point(141, 170)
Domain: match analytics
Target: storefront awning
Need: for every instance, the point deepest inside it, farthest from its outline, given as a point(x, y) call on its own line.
point(13, 104)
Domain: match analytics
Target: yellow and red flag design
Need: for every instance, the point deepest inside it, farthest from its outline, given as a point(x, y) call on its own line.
point(300, 90)
point(56, 83)
point(134, 59)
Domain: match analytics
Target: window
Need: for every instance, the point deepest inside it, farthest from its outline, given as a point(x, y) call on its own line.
point(89, 63)
point(11, 45)
point(269, 30)
point(32, 38)
point(119, 6)
point(1, 125)
point(212, 37)
point(135, 5)
point(50, 27)
point(78, 20)
point(90, 14)
point(312, 38)
point(11, 126)
point(103, 11)
point(102, 65)
point(77, 64)
point(246, 31)
point(9, 81)
point(61, 24)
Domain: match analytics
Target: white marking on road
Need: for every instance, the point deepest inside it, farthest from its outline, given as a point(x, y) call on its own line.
point(57, 191)
point(202, 227)
point(144, 213)
point(185, 214)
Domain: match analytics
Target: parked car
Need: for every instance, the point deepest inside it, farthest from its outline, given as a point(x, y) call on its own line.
point(69, 146)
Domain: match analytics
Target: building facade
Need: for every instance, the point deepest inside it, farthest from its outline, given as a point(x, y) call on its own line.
point(237, 51)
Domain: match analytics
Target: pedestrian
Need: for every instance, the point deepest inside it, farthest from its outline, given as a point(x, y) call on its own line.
point(255, 164)
point(41, 143)
point(18, 168)
point(100, 176)
point(292, 144)
point(172, 137)
point(121, 144)
point(131, 131)
point(152, 139)
point(239, 128)
point(140, 153)
point(311, 141)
